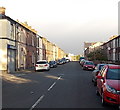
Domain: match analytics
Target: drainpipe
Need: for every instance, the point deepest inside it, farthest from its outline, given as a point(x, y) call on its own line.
point(16, 52)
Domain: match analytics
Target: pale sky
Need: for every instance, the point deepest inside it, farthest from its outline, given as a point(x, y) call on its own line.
point(67, 23)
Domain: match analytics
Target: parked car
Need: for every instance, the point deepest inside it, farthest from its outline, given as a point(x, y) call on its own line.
point(95, 73)
point(64, 60)
point(108, 84)
point(99, 66)
point(53, 64)
point(59, 62)
point(67, 60)
point(88, 65)
point(81, 58)
point(82, 62)
point(42, 65)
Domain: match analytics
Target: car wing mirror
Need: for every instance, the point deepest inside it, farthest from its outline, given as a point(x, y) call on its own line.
point(97, 73)
point(99, 77)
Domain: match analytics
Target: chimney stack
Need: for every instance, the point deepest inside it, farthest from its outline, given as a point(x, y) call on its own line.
point(2, 10)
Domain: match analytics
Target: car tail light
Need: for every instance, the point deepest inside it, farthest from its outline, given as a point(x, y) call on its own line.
point(36, 65)
point(46, 65)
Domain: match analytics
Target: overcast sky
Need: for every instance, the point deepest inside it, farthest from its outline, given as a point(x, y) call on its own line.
point(67, 23)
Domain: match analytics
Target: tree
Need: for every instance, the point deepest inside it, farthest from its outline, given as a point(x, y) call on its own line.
point(98, 54)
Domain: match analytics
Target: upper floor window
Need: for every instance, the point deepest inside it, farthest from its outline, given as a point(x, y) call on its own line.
point(116, 42)
point(18, 33)
point(32, 40)
point(119, 41)
point(12, 31)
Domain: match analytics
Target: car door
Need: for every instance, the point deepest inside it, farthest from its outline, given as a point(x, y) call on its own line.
point(100, 81)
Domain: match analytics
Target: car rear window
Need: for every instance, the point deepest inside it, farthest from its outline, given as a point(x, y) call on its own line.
point(42, 62)
point(113, 74)
point(52, 62)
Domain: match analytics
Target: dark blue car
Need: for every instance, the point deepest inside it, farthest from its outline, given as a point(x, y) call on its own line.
point(53, 64)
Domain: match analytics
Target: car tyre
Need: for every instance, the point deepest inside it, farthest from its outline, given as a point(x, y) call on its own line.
point(103, 101)
point(83, 68)
point(95, 84)
point(119, 107)
point(97, 93)
point(48, 69)
point(92, 80)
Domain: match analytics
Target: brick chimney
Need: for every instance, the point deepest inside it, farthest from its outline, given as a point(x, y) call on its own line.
point(2, 10)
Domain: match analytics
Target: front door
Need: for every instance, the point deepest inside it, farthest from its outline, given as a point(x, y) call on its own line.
point(11, 60)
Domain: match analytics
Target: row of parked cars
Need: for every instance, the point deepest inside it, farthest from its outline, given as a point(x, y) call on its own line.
point(45, 65)
point(87, 65)
point(106, 78)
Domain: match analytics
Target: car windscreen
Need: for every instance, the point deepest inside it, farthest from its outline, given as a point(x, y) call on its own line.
point(100, 67)
point(89, 63)
point(41, 62)
point(113, 74)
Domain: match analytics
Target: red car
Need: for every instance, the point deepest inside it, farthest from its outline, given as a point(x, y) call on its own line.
point(88, 65)
point(108, 84)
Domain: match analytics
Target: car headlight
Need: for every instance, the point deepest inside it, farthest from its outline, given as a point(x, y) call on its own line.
point(110, 89)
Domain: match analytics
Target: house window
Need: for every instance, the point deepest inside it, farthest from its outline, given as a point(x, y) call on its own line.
point(18, 34)
point(119, 42)
point(33, 59)
point(32, 40)
point(12, 31)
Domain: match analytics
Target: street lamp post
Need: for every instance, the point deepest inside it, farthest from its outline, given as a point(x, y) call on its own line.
point(94, 53)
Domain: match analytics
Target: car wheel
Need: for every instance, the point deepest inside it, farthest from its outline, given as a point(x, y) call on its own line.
point(48, 69)
point(119, 107)
point(95, 84)
point(92, 80)
point(83, 68)
point(103, 101)
point(97, 93)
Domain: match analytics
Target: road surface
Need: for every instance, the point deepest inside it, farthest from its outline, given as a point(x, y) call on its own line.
point(67, 86)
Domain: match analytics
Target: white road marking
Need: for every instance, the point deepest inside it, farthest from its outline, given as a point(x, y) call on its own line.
point(51, 86)
point(19, 74)
point(59, 78)
point(61, 74)
point(40, 99)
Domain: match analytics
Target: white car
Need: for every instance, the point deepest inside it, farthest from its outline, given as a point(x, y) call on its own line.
point(42, 65)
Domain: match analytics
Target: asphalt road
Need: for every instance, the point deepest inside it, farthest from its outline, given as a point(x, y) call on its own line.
point(67, 86)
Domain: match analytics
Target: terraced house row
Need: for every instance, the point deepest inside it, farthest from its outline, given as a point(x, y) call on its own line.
point(111, 49)
point(21, 46)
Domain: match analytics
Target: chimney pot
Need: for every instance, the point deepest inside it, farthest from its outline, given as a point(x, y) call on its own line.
point(2, 10)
